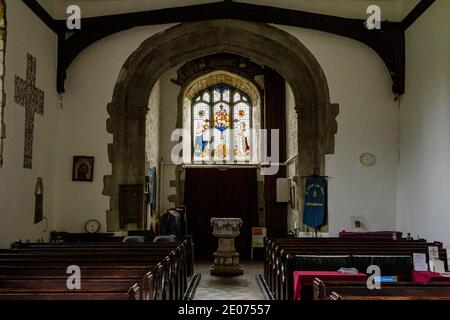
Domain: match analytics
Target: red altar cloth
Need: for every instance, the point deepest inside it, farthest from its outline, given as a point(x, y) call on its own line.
point(306, 278)
point(427, 276)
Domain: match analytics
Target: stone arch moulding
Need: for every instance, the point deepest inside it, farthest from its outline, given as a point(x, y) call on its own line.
point(202, 81)
point(188, 41)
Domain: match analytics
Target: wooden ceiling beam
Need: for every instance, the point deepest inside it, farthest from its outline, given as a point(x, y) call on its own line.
point(415, 13)
point(388, 43)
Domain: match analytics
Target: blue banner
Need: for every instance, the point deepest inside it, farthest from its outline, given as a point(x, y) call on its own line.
point(315, 201)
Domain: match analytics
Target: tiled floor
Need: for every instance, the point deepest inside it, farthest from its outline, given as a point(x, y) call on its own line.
point(242, 287)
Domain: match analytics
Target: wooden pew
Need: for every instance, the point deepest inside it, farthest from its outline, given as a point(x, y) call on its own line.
point(110, 278)
point(184, 262)
point(280, 255)
point(186, 244)
point(336, 290)
point(173, 275)
point(319, 245)
point(131, 293)
point(160, 270)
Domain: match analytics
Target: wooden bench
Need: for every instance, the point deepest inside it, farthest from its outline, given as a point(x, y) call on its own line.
point(186, 247)
point(335, 290)
point(108, 271)
point(280, 255)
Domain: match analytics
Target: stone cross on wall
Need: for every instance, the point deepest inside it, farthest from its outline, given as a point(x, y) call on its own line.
point(32, 99)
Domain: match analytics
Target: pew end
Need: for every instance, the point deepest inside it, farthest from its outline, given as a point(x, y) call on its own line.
point(134, 293)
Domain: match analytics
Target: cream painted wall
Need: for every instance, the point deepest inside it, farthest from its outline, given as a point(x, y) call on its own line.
point(82, 130)
point(424, 172)
point(16, 183)
point(367, 122)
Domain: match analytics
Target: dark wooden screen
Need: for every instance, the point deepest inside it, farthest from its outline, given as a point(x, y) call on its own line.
point(275, 118)
point(220, 193)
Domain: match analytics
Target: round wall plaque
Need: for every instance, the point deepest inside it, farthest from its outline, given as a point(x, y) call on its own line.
point(368, 159)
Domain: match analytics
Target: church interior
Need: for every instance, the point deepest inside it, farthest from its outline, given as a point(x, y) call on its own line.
point(224, 150)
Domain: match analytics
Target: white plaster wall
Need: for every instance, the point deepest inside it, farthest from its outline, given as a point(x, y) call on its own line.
point(82, 130)
point(26, 33)
point(424, 173)
point(358, 81)
point(367, 122)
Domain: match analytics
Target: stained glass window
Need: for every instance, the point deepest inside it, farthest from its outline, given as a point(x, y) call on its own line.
point(2, 74)
point(221, 125)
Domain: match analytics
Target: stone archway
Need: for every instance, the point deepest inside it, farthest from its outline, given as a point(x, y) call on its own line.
point(188, 41)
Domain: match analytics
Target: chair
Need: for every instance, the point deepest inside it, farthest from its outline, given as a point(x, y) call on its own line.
point(162, 239)
point(133, 239)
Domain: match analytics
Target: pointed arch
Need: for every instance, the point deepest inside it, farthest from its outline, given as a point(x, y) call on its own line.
point(188, 41)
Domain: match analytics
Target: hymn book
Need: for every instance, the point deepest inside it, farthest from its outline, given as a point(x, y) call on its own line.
point(420, 262)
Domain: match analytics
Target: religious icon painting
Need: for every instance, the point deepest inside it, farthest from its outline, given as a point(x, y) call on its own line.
point(83, 168)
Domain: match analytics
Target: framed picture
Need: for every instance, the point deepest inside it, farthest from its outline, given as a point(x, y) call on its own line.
point(83, 168)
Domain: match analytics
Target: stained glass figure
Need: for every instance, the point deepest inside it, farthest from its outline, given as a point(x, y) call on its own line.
point(241, 131)
point(201, 118)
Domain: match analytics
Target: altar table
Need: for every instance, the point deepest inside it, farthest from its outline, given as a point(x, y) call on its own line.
point(427, 276)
